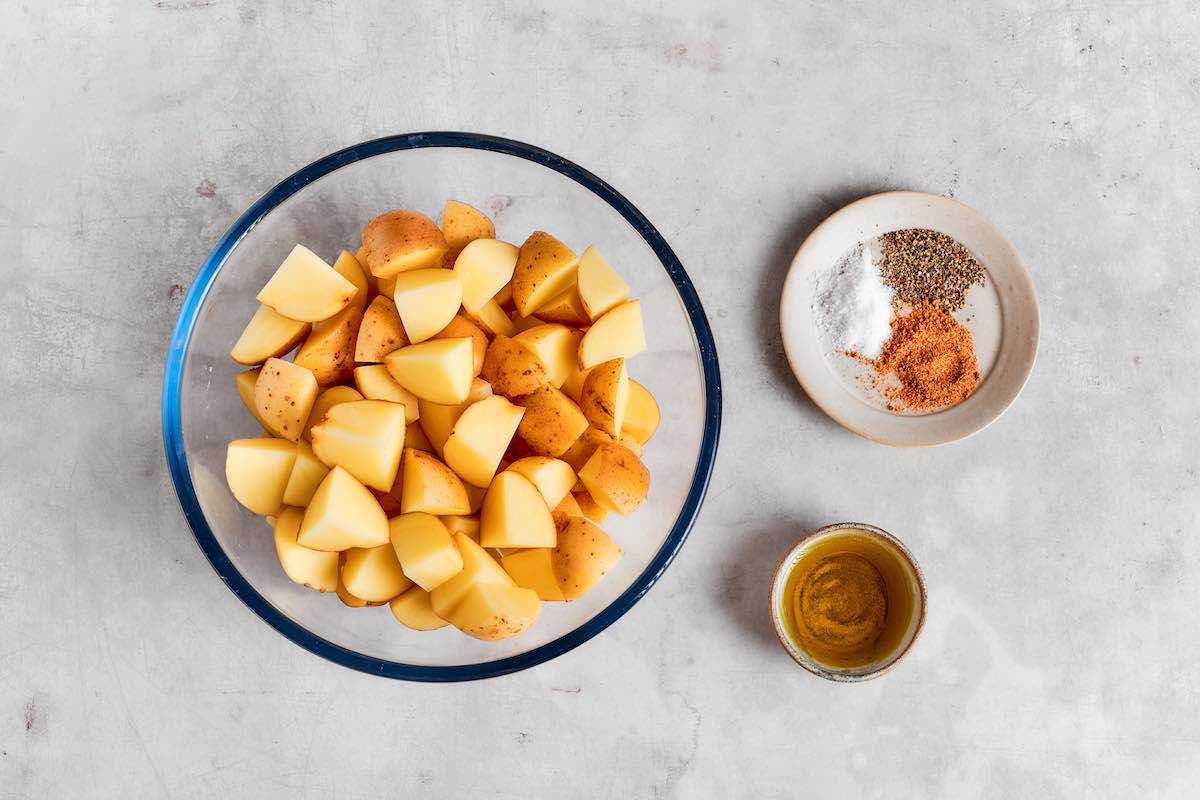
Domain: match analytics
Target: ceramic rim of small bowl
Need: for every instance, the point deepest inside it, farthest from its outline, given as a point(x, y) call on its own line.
point(181, 474)
point(809, 382)
point(850, 675)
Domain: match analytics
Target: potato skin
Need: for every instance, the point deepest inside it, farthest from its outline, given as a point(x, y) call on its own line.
point(381, 332)
point(542, 271)
point(599, 396)
point(552, 422)
point(583, 447)
point(582, 557)
point(395, 234)
point(512, 368)
point(618, 476)
point(329, 350)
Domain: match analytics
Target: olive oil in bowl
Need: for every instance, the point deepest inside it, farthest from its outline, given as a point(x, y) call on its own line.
point(847, 601)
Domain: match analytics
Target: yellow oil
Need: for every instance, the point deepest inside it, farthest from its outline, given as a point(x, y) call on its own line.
point(885, 571)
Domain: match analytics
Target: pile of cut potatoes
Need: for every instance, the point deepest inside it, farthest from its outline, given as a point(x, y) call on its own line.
point(455, 426)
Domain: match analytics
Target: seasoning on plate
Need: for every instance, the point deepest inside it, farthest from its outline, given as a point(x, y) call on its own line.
point(927, 266)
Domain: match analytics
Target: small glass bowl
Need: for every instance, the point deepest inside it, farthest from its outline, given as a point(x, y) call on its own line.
point(324, 206)
point(913, 625)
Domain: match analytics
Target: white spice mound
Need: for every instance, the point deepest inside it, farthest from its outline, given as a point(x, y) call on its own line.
point(852, 308)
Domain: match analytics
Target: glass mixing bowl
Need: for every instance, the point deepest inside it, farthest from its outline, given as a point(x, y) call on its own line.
point(324, 206)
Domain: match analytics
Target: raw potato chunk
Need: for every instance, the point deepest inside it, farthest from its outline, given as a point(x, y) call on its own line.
point(344, 595)
point(633, 445)
point(269, 334)
point(553, 478)
point(413, 610)
point(582, 448)
point(600, 287)
point(491, 612)
point(381, 332)
point(373, 574)
point(415, 438)
point(493, 320)
point(325, 401)
point(583, 556)
point(522, 324)
point(463, 224)
point(589, 507)
point(328, 352)
point(284, 395)
point(532, 569)
point(307, 474)
point(484, 267)
point(459, 523)
point(515, 515)
point(386, 286)
point(389, 501)
point(398, 241)
point(565, 307)
point(245, 388)
point(616, 478)
point(343, 514)
point(438, 420)
point(348, 267)
point(312, 568)
point(605, 396)
point(512, 368)
point(425, 548)
point(427, 299)
point(475, 496)
point(257, 471)
point(569, 507)
point(429, 485)
point(307, 289)
point(462, 328)
point(557, 347)
point(439, 371)
point(618, 334)
point(376, 383)
point(641, 413)
point(478, 568)
point(480, 437)
point(366, 438)
point(552, 422)
point(545, 267)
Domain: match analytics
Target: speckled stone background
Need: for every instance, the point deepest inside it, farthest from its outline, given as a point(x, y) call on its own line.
point(1060, 546)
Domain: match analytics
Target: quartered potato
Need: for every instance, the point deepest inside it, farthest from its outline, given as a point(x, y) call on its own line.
point(328, 352)
point(326, 400)
point(616, 478)
point(554, 479)
point(342, 514)
point(307, 289)
point(269, 334)
point(425, 548)
point(283, 396)
point(480, 438)
point(439, 370)
point(484, 267)
point(556, 346)
point(402, 240)
point(348, 266)
point(600, 287)
point(514, 514)
point(583, 556)
point(373, 574)
point(641, 413)
point(461, 327)
point(604, 398)
point(412, 609)
point(376, 383)
point(512, 368)
point(618, 334)
point(315, 569)
point(258, 470)
point(429, 485)
point(545, 267)
point(552, 422)
point(461, 225)
point(365, 438)
point(426, 299)
point(381, 332)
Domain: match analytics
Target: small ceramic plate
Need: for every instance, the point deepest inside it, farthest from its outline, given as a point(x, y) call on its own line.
point(1006, 335)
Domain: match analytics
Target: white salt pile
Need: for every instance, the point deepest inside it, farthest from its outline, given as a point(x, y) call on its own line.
point(852, 308)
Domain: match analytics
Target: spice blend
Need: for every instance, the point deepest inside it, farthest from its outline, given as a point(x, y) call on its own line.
point(932, 357)
point(927, 266)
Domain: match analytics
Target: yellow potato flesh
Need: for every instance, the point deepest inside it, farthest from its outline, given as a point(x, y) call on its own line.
point(438, 420)
point(364, 437)
point(413, 610)
point(328, 352)
point(492, 612)
point(565, 307)
point(641, 413)
point(380, 333)
point(425, 548)
point(426, 299)
point(483, 268)
point(461, 225)
point(325, 401)
point(269, 334)
point(583, 556)
point(373, 574)
point(478, 568)
point(307, 289)
point(348, 267)
point(343, 514)
point(376, 383)
point(284, 395)
point(460, 523)
point(480, 437)
point(415, 438)
point(600, 287)
point(557, 347)
point(515, 515)
point(618, 334)
point(439, 370)
point(616, 478)
point(552, 478)
point(307, 474)
point(492, 319)
point(531, 569)
point(312, 568)
point(245, 388)
point(552, 423)
point(429, 485)
point(257, 471)
point(545, 267)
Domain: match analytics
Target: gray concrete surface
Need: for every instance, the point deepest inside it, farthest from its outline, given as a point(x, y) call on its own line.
point(1060, 656)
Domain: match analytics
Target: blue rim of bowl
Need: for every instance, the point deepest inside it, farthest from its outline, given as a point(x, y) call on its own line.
point(181, 475)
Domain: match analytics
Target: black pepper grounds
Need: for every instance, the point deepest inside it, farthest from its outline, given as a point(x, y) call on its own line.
point(927, 266)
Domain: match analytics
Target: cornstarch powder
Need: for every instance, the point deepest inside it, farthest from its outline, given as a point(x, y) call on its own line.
point(852, 307)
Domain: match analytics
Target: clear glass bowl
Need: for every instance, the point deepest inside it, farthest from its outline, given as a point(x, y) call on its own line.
point(324, 207)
